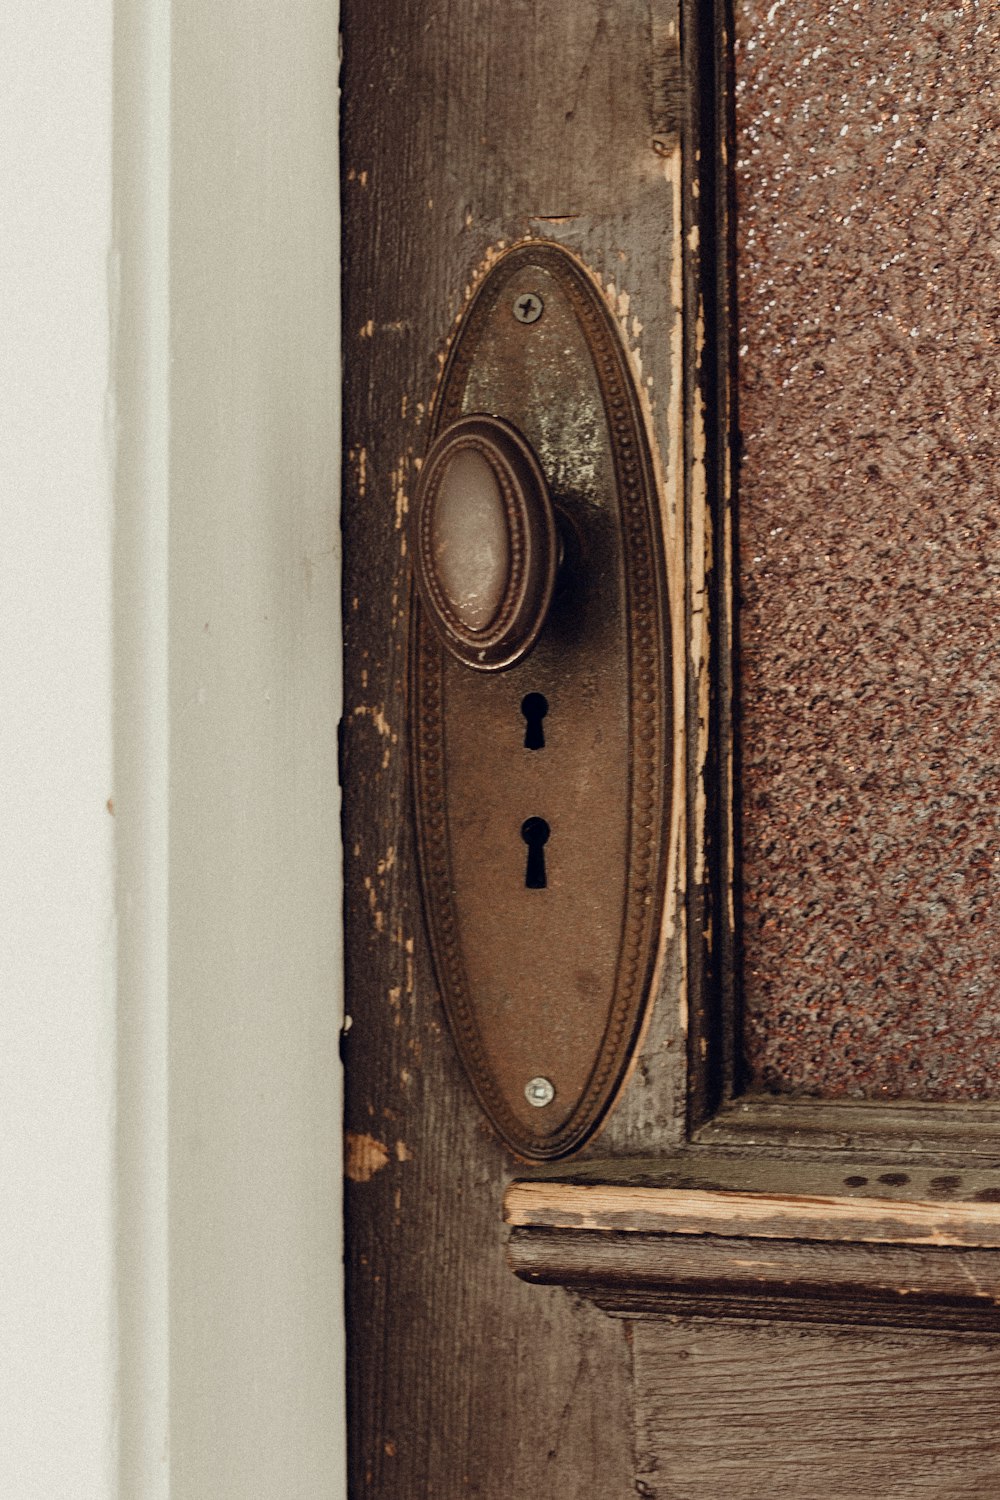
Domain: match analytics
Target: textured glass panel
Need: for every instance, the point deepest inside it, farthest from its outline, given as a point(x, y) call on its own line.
point(869, 263)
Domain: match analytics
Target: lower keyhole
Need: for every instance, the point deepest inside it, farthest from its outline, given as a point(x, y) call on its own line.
point(535, 832)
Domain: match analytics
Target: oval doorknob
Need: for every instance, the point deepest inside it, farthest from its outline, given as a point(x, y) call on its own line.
point(485, 543)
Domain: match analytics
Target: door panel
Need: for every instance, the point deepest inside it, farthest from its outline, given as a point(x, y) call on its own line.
point(814, 1413)
point(657, 1352)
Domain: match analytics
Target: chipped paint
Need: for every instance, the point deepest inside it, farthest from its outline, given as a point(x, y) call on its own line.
point(700, 564)
point(363, 1157)
point(728, 748)
point(378, 718)
point(688, 1210)
point(674, 528)
point(398, 480)
point(378, 915)
point(357, 458)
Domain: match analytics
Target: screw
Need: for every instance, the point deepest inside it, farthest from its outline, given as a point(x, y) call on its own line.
point(539, 1092)
point(528, 309)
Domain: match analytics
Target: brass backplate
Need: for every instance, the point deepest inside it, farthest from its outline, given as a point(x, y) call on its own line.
point(549, 982)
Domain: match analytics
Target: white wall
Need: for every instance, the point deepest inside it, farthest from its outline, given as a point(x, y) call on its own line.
point(57, 919)
point(169, 1088)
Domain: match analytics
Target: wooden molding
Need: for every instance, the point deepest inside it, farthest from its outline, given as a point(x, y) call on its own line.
point(932, 1131)
point(888, 1253)
point(678, 1211)
point(647, 1275)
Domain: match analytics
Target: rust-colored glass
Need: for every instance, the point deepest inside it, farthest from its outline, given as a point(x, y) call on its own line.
point(868, 210)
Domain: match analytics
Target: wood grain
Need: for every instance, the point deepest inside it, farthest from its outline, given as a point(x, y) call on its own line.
point(965, 1135)
point(815, 1414)
point(680, 1210)
point(645, 1275)
point(468, 124)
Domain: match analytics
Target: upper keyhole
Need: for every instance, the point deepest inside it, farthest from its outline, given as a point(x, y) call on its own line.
point(534, 706)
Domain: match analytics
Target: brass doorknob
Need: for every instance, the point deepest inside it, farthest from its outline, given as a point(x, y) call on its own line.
point(485, 543)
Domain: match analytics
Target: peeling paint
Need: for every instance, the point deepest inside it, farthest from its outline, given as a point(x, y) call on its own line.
point(378, 718)
point(378, 915)
point(685, 1209)
point(358, 458)
point(701, 563)
point(398, 485)
point(674, 527)
point(363, 1157)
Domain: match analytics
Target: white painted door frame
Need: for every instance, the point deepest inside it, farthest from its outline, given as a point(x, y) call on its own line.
point(171, 975)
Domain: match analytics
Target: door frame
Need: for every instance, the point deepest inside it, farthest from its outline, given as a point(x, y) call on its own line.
point(224, 450)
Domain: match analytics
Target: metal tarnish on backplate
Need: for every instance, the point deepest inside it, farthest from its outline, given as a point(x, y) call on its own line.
point(544, 941)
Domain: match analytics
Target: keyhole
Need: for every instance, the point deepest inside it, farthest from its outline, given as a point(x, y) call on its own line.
point(535, 832)
point(534, 706)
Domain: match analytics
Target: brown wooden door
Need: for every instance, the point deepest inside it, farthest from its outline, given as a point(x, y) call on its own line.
point(774, 1270)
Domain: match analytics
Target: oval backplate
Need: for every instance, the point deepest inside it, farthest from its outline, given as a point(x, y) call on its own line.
point(551, 983)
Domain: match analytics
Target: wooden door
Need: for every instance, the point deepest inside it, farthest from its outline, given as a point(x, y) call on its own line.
point(774, 1271)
